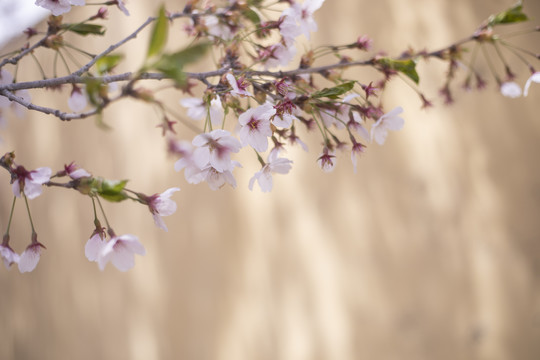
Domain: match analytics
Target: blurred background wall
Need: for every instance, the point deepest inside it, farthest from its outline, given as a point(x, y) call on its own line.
point(430, 251)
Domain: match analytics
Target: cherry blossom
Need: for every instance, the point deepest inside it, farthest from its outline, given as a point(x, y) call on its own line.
point(9, 256)
point(303, 15)
point(74, 172)
point(357, 149)
point(198, 110)
point(161, 205)
point(59, 7)
point(510, 89)
point(217, 179)
point(192, 172)
point(534, 78)
point(255, 126)
point(122, 7)
point(31, 181)
point(30, 256)
point(327, 160)
point(274, 164)
point(389, 121)
point(238, 86)
point(217, 28)
point(120, 251)
point(214, 149)
point(77, 101)
point(94, 245)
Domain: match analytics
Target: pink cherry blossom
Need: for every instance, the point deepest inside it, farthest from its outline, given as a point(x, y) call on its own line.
point(120, 251)
point(238, 86)
point(534, 78)
point(510, 89)
point(31, 181)
point(274, 164)
point(389, 121)
point(327, 160)
point(74, 172)
point(192, 172)
point(30, 257)
point(161, 205)
point(214, 149)
point(255, 126)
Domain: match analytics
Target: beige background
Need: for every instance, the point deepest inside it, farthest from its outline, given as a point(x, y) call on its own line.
point(429, 252)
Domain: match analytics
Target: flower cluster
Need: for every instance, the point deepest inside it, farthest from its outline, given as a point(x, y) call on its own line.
point(119, 250)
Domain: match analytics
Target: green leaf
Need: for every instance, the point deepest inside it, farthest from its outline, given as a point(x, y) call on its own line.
point(111, 190)
point(252, 16)
point(84, 29)
point(334, 92)
point(94, 91)
point(406, 67)
point(107, 63)
point(159, 34)
point(172, 64)
point(510, 16)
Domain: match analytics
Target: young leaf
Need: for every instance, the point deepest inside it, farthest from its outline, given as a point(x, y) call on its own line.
point(107, 63)
point(334, 92)
point(84, 29)
point(111, 190)
point(406, 67)
point(159, 34)
point(172, 64)
point(510, 16)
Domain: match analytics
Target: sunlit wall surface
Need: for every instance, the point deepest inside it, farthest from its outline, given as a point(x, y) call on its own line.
point(430, 251)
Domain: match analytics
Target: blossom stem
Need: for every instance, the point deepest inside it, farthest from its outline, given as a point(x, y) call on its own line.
point(103, 212)
point(490, 65)
point(10, 216)
point(29, 214)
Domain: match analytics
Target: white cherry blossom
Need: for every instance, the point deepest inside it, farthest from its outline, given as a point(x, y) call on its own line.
point(30, 257)
point(274, 164)
point(161, 205)
point(77, 100)
point(255, 126)
point(534, 78)
point(511, 89)
point(31, 180)
point(198, 110)
point(303, 15)
point(9, 256)
point(94, 245)
point(389, 121)
point(214, 149)
point(59, 7)
point(120, 251)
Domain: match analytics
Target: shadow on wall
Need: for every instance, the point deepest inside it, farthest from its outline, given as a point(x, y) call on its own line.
point(429, 252)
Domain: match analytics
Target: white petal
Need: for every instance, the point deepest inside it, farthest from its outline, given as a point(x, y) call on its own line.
point(29, 258)
point(93, 247)
point(511, 89)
